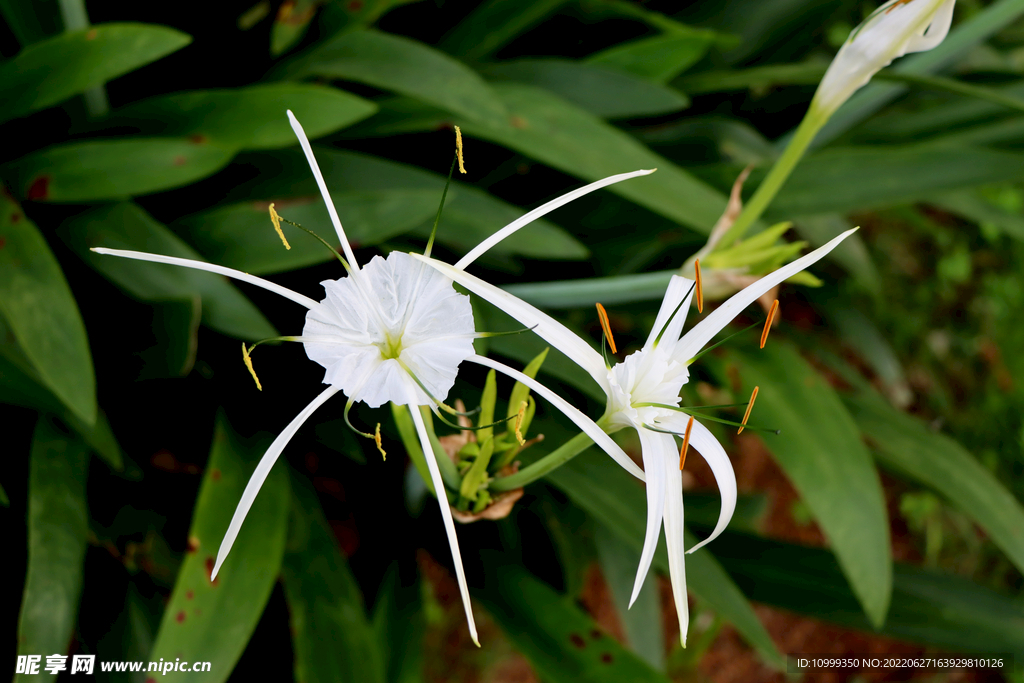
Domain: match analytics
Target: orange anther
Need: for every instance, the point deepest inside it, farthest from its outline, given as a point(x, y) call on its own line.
point(750, 405)
point(768, 323)
point(700, 286)
point(686, 444)
point(606, 326)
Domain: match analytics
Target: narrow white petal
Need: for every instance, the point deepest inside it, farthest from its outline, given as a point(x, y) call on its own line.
point(220, 270)
point(937, 30)
point(694, 340)
point(260, 475)
point(707, 445)
point(547, 328)
point(527, 218)
point(588, 426)
point(308, 150)
point(653, 445)
point(674, 542)
point(446, 512)
point(678, 287)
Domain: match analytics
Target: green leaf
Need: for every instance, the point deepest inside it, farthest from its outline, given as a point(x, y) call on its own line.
point(820, 451)
point(41, 313)
point(549, 129)
point(246, 118)
point(212, 622)
point(618, 289)
point(175, 325)
point(126, 226)
point(905, 444)
point(470, 214)
point(603, 91)
point(642, 621)
point(54, 69)
point(755, 78)
point(58, 523)
point(562, 642)
point(595, 483)
point(399, 624)
point(291, 23)
point(657, 58)
point(331, 636)
point(4, 500)
point(112, 169)
point(30, 22)
point(404, 66)
point(935, 609)
point(495, 23)
point(973, 207)
point(241, 236)
point(858, 178)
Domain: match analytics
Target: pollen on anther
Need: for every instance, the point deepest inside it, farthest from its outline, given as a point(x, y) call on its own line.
point(699, 286)
point(376, 440)
point(606, 326)
point(248, 364)
point(276, 220)
point(519, 423)
point(750, 406)
point(686, 444)
point(768, 323)
point(458, 149)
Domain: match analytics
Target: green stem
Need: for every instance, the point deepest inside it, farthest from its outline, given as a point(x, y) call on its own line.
point(553, 460)
point(776, 177)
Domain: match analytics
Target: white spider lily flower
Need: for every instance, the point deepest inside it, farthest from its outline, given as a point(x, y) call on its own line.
point(891, 31)
point(640, 393)
point(393, 331)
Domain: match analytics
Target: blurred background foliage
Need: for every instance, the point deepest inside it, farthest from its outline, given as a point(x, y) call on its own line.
point(889, 505)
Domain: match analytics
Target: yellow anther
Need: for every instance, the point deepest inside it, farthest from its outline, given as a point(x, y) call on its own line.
point(248, 364)
point(686, 444)
point(458, 149)
point(519, 423)
point(606, 326)
point(746, 415)
point(276, 220)
point(699, 286)
point(376, 439)
point(768, 323)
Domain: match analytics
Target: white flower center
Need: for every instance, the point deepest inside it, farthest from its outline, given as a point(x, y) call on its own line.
point(401, 317)
point(646, 376)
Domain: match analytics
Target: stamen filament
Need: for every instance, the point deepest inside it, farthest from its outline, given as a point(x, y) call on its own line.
point(444, 193)
point(706, 349)
point(768, 323)
point(606, 327)
point(334, 252)
point(700, 285)
point(667, 322)
point(686, 444)
point(276, 220)
point(703, 416)
point(750, 406)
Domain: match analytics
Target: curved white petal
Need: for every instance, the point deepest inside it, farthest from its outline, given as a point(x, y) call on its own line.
point(260, 475)
point(707, 445)
point(653, 445)
point(220, 270)
point(547, 328)
point(678, 288)
point(528, 218)
point(308, 151)
point(588, 426)
point(446, 511)
point(937, 30)
point(701, 333)
point(674, 542)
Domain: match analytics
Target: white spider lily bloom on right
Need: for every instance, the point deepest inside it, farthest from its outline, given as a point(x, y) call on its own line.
point(891, 31)
point(641, 394)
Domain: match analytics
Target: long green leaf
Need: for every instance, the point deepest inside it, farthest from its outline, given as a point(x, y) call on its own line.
point(331, 636)
point(58, 523)
point(820, 451)
point(212, 621)
point(549, 129)
point(493, 24)
point(908, 446)
point(96, 170)
point(54, 69)
point(656, 58)
point(41, 313)
point(30, 22)
point(928, 607)
point(404, 66)
point(562, 642)
point(126, 226)
point(618, 289)
point(246, 118)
